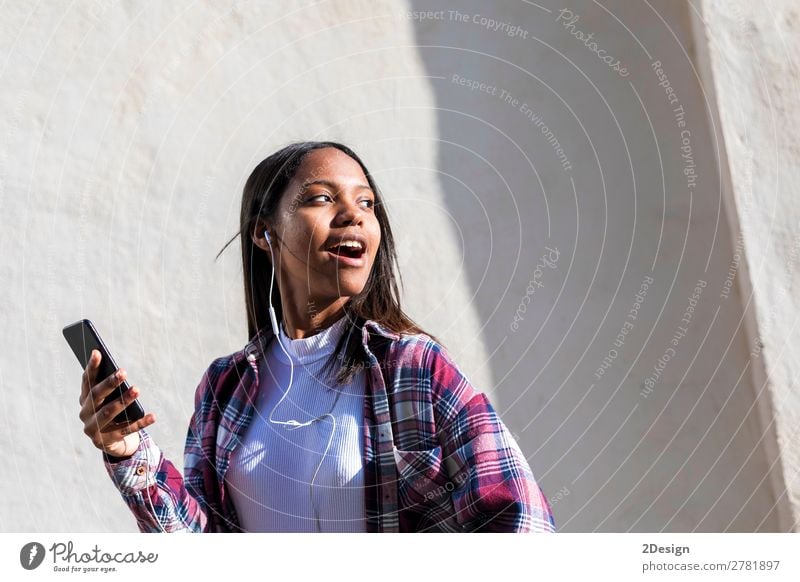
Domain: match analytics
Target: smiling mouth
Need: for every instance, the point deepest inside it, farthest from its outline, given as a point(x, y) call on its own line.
point(347, 252)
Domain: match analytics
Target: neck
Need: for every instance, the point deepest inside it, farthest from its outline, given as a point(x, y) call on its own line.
point(304, 316)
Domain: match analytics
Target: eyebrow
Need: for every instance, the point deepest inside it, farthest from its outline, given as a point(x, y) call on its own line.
point(331, 185)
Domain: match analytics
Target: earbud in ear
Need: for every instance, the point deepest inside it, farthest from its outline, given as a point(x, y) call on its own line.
point(266, 235)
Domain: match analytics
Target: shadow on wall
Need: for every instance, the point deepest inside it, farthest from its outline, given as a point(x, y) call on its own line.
point(562, 166)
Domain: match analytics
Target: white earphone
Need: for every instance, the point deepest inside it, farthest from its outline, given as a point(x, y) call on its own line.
point(295, 424)
point(271, 281)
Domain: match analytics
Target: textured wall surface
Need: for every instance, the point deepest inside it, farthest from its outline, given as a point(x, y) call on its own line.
point(551, 229)
point(128, 132)
point(752, 59)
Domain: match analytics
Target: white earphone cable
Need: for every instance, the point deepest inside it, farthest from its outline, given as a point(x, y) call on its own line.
point(294, 424)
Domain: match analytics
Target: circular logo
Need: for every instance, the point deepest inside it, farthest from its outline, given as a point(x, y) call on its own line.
point(31, 555)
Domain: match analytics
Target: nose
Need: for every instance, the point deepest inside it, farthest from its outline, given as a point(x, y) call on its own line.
point(349, 212)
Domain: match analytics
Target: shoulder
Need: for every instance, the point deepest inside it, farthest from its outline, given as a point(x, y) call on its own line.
point(221, 372)
point(422, 351)
point(404, 350)
point(418, 362)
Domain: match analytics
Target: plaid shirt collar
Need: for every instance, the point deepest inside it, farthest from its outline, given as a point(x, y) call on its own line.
point(256, 347)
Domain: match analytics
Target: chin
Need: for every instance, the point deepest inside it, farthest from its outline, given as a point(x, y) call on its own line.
point(349, 286)
point(349, 290)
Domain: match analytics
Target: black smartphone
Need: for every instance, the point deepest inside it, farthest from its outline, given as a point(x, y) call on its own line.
point(82, 337)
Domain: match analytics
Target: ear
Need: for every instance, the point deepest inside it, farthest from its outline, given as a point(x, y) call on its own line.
point(258, 238)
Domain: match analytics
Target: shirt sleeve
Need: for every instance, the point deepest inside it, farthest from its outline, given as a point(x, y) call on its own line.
point(154, 490)
point(494, 489)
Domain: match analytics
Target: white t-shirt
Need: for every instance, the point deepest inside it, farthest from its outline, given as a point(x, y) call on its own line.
point(270, 473)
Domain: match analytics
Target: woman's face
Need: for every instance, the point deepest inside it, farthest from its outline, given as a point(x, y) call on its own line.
point(327, 202)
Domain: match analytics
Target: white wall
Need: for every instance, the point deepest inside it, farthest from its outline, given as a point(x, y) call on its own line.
point(129, 132)
point(128, 135)
point(751, 66)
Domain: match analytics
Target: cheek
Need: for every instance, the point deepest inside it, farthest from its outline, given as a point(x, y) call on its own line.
point(298, 237)
point(375, 239)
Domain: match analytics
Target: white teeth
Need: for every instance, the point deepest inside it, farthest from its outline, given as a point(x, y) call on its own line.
point(350, 243)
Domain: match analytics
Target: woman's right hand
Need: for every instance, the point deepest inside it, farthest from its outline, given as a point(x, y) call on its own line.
point(116, 439)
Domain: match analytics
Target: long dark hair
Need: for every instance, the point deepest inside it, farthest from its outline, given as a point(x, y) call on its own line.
point(378, 301)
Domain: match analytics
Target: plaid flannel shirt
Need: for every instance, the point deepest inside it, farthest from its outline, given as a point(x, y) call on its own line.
point(436, 455)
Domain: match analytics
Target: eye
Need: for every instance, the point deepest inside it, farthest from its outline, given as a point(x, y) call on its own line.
point(318, 196)
point(370, 202)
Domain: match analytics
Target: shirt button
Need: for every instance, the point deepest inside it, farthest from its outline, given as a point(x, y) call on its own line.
point(140, 470)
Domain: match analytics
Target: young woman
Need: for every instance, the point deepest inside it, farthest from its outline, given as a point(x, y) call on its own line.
point(340, 414)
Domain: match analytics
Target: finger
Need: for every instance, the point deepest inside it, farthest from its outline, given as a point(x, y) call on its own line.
point(90, 372)
point(96, 417)
point(109, 412)
point(118, 431)
point(104, 388)
point(89, 403)
point(93, 403)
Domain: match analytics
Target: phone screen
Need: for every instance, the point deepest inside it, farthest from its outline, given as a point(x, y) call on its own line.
point(82, 337)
